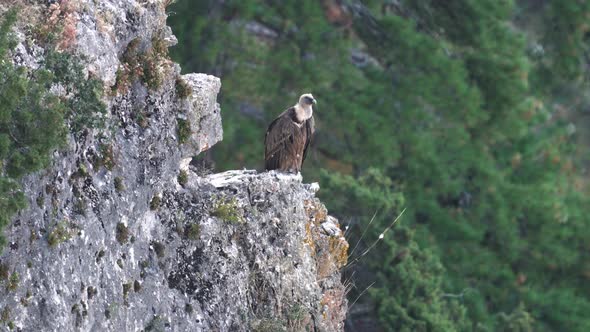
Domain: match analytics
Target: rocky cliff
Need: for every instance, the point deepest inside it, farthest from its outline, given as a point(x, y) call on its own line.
point(121, 234)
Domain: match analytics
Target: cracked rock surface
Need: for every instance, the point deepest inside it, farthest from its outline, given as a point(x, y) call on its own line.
point(120, 234)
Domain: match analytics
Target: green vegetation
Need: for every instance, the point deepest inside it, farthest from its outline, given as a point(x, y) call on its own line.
point(227, 210)
point(268, 325)
point(141, 119)
point(155, 202)
point(60, 233)
point(119, 186)
point(159, 248)
point(136, 286)
point(83, 107)
point(91, 292)
point(129, 70)
point(31, 124)
point(183, 90)
point(414, 299)
point(122, 233)
point(10, 280)
point(4, 271)
point(296, 314)
point(25, 300)
point(5, 315)
point(183, 178)
point(147, 63)
point(33, 236)
point(156, 324)
point(13, 281)
point(126, 289)
point(33, 120)
point(106, 157)
point(80, 206)
point(100, 255)
point(192, 231)
point(184, 130)
point(461, 111)
point(80, 173)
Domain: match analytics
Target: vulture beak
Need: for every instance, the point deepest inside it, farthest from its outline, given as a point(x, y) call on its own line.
point(314, 102)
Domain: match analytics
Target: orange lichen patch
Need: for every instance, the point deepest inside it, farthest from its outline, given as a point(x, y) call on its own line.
point(339, 251)
point(309, 237)
point(326, 241)
point(332, 254)
point(324, 265)
point(316, 211)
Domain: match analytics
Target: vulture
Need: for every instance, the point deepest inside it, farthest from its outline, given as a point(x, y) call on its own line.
point(288, 136)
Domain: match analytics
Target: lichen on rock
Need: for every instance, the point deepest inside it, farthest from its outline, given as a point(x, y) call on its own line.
point(121, 234)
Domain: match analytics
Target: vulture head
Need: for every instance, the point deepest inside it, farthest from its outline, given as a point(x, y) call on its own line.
point(307, 100)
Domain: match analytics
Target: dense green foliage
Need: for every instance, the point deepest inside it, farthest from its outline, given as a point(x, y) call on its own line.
point(413, 299)
point(449, 108)
point(34, 120)
point(31, 124)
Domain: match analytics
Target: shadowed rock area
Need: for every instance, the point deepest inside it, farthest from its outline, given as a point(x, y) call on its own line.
point(120, 234)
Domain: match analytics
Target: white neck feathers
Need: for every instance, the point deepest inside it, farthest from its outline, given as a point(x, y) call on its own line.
point(303, 112)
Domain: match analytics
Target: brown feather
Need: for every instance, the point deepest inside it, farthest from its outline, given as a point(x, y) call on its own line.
point(309, 128)
point(286, 142)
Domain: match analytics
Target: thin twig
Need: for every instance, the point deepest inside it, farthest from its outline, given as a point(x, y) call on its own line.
point(460, 295)
point(361, 294)
point(376, 241)
point(347, 227)
point(349, 284)
point(363, 235)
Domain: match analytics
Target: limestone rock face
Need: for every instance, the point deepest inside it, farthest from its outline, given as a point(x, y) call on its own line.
point(120, 234)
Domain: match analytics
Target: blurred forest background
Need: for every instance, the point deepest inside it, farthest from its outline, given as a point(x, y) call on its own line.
point(472, 114)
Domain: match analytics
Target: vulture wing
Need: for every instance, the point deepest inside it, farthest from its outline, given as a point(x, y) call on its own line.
point(278, 136)
point(310, 129)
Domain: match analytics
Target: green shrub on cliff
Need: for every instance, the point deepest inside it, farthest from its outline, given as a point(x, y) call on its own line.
point(33, 120)
point(31, 124)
